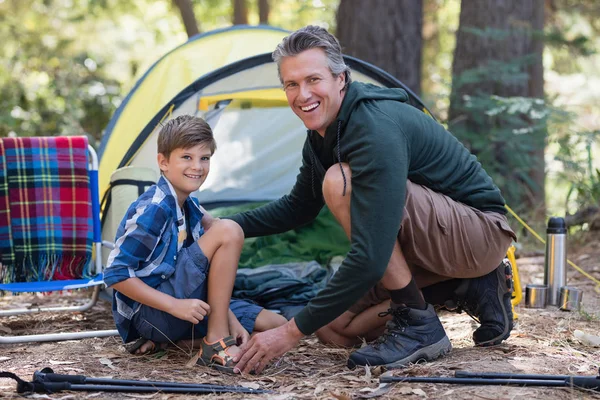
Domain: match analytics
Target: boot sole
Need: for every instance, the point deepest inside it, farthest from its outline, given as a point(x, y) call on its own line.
point(429, 353)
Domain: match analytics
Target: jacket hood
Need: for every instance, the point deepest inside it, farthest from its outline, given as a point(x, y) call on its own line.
point(358, 92)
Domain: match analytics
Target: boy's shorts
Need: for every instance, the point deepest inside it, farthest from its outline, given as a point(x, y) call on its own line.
point(189, 281)
point(443, 239)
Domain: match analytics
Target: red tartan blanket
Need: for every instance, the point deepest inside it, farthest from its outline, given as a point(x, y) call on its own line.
point(45, 209)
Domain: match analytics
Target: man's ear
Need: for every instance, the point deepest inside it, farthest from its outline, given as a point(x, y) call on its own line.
point(342, 78)
point(163, 162)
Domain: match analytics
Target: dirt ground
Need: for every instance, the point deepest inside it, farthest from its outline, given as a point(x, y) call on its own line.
point(542, 342)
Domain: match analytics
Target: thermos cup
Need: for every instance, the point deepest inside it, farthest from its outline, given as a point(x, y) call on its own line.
point(555, 269)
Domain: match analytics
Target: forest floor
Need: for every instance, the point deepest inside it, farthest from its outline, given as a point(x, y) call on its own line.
point(541, 343)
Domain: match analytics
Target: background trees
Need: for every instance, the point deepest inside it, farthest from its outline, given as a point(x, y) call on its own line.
point(512, 79)
point(393, 43)
point(497, 106)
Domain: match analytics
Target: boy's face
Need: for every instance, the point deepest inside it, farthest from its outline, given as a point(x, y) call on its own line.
point(186, 169)
point(313, 93)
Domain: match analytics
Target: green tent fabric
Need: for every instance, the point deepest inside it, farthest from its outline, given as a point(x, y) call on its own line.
point(320, 240)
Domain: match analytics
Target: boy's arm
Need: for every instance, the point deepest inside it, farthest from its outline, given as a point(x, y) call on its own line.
point(192, 310)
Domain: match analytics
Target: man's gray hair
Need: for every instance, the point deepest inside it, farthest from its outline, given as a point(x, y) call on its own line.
point(311, 37)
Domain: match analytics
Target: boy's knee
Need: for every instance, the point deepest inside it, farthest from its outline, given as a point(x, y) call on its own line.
point(328, 335)
point(229, 230)
point(333, 183)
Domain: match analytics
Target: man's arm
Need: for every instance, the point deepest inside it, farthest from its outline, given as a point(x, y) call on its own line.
point(378, 156)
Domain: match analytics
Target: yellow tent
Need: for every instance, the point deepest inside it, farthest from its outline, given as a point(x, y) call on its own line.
point(200, 55)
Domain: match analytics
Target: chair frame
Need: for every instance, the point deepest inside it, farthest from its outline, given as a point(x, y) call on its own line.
point(95, 282)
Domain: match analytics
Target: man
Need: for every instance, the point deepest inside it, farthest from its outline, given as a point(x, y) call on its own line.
point(418, 208)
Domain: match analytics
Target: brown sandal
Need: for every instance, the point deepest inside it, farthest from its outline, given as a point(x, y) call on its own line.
point(215, 354)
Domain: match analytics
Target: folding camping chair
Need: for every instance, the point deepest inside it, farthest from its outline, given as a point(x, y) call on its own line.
point(37, 149)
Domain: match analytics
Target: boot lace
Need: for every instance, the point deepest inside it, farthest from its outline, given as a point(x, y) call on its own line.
point(395, 326)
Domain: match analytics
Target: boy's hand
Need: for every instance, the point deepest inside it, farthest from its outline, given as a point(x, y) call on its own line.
point(192, 310)
point(237, 330)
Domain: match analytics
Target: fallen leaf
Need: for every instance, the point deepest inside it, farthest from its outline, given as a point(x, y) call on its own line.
point(107, 362)
point(5, 329)
point(250, 385)
point(367, 374)
point(192, 361)
point(352, 378)
point(382, 389)
point(4, 358)
point(284, 396)
point(319, 389)
point(287, 389)
point(74, 369)
point(419, 392)
point(140, 396)
point(406, 390)
point(53, 362)
point(341, 396)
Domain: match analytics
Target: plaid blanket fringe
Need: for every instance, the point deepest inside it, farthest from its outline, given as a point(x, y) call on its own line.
point(45, 209)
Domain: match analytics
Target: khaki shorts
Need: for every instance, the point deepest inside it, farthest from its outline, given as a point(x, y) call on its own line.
point(443, 239)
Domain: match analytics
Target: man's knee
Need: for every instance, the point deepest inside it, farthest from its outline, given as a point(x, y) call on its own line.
point(334, 183)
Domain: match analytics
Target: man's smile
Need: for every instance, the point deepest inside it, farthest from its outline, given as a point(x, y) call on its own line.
point(310, 107)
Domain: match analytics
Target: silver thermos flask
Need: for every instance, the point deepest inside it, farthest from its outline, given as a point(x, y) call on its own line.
point(555, 271)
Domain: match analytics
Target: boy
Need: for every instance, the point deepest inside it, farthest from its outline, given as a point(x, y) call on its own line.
point(174, 265)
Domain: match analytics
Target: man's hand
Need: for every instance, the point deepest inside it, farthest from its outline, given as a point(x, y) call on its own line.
point(264, 346)
point(192, 310)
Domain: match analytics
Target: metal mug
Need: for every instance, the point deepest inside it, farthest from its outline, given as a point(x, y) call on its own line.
point(570, 298)
point(536, 296)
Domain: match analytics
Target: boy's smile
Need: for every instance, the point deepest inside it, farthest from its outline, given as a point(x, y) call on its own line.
point(186, 169)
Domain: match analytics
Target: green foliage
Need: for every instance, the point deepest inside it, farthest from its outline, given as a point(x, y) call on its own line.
point(503, 132)
point(48, 85)
point(575, 153)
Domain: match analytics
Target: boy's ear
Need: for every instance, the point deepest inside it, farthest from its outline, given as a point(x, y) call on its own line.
point(162, 162)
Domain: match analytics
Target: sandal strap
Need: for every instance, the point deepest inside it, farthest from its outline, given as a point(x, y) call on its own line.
point(223, 344)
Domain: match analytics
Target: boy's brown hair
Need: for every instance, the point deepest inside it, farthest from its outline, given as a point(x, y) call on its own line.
point(184, 132)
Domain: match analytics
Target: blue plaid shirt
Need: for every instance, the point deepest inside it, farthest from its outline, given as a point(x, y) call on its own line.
point(146, 246)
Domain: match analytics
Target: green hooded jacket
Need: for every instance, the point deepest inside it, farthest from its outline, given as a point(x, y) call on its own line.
point(385, 141)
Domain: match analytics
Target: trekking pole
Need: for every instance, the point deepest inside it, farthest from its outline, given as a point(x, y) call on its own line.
point(465, 378)
point(39, 386)
point(500, 375)
point(47, 375)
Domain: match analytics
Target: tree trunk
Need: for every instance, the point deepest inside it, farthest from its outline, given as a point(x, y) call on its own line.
point(499, 53)
point(186, 9)
point(240, 12)
point(263, 12)
point(386, 33)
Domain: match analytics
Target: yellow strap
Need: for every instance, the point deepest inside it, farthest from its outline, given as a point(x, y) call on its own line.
point(571, 263)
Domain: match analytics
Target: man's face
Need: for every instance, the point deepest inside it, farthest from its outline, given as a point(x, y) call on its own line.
point(313, 93)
